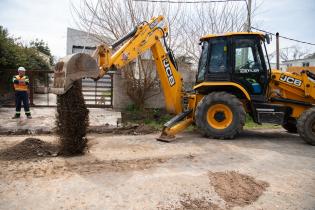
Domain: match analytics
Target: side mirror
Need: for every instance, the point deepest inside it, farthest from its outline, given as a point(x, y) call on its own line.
point(267, 38)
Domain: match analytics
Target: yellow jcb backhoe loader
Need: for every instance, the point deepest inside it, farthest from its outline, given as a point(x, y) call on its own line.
point(233, 79)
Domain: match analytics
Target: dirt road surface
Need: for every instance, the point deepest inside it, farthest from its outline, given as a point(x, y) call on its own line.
point(262, 169)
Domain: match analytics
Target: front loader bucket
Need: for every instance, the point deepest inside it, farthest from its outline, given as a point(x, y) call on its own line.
point(71, 68)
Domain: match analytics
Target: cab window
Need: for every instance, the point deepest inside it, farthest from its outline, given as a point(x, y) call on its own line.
point(247, 59)
point(218, 56)
point(203, 61)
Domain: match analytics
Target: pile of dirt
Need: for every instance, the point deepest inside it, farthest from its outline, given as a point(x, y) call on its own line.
point(187, 202)
point(237, 189)
point(196, 204)
point(28, 149)
point(140, 129)
point(72, 120)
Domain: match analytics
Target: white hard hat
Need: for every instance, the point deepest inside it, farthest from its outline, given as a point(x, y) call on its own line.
point(21, 68)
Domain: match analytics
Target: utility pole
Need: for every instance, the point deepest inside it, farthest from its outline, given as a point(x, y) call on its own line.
point(249, 12)
point(277, 51)
point(247, 27)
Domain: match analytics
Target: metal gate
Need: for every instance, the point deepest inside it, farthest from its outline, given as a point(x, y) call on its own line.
point(96, 94)
point(40, 82)
point(99, 93)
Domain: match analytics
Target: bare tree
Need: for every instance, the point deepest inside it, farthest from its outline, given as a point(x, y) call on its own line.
point(210, 18)
point(187, 23)
point(112, 19)
point(115, 18)
point(292, 53)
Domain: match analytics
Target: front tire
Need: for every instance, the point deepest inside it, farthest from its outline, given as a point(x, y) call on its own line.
point(220, 115)
point(306, 126)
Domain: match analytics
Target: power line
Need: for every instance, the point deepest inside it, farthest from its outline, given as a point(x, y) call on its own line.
point(217, 1)
point(90, 27)
point(185, 2)
point(284, 37)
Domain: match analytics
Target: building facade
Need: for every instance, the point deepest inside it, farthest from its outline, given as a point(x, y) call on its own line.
point(305, 62)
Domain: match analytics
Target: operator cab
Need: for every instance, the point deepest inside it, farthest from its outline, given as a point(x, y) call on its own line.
point(235, 57)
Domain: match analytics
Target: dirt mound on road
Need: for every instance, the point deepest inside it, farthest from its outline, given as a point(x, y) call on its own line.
point(134, 130)
point(237, 189)
point(188, 202)
point(197, 204)
point(72, 120)
point(28, 149)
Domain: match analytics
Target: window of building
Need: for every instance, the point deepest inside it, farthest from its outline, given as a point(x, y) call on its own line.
point(289, 64)
point(306, 64)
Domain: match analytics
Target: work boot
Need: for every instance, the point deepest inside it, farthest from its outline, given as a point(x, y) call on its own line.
point(29, 116)
point(16, 117)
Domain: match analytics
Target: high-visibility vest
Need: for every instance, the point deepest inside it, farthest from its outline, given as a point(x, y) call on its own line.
point(21, 83)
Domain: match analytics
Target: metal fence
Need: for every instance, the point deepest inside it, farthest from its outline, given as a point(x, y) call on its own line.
point(99, 93)
point(96, 94)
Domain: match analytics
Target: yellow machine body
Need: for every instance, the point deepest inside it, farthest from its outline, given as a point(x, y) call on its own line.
point(298, 87)
point(215, 106)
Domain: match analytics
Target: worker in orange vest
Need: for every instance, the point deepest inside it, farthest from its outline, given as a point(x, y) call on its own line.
point(21, 83)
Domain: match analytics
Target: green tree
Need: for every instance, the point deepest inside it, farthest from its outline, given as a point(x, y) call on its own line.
point(8, 50)
point(13, 54)
point(42, 47)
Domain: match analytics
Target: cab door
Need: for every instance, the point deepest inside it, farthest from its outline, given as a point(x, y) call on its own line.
point(249, 68)
point(214, 63)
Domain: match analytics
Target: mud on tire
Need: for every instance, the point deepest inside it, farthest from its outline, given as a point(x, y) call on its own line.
point(306, 126)
point(230, 101)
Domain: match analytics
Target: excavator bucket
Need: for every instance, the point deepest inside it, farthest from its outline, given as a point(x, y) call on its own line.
point(71, 68)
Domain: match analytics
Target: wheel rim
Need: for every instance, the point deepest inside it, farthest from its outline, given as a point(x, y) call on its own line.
point(219, 116)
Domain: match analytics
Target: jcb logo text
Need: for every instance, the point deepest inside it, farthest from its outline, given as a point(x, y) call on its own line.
point(290, 80)
point(169, 73)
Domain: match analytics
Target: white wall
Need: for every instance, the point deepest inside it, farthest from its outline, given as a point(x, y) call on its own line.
point(81, 38)
point(299, 62)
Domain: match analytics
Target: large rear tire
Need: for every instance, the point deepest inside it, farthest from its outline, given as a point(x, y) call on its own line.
point(290, 125)
point(220, 115)
point(306, 126)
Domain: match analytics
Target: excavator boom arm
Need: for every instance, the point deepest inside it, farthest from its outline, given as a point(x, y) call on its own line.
point(146, 36)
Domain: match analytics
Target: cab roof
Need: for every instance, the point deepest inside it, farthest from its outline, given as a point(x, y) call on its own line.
point(210, 36)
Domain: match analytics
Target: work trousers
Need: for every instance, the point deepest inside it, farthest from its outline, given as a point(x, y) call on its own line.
point(22, 96)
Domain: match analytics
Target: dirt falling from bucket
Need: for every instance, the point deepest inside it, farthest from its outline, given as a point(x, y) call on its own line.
point(72, 121)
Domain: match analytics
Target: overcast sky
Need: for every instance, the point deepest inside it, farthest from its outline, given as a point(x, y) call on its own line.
point(49, 19)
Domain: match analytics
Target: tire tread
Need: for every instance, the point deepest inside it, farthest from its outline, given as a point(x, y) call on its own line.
point(302, 126)
point(231, 100)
